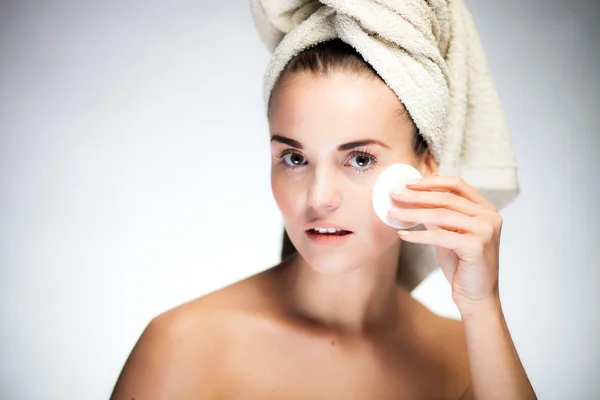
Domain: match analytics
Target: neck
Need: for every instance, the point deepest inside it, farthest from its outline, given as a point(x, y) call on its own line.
point(351, 303)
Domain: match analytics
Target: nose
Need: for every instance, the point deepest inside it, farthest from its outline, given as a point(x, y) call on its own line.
point(324, 192)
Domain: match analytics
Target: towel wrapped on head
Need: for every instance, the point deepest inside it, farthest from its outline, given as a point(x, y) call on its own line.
point(429, 53)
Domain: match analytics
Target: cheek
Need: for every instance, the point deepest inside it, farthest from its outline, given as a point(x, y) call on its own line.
point(286, 196)
point(380, 235)
point(359, 206)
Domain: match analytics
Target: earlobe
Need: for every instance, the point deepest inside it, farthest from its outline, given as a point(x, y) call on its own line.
point(429, 166)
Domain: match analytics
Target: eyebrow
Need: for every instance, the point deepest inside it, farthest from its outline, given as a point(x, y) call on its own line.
point(342, 147)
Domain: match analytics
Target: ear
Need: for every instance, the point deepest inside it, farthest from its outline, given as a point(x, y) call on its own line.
point(428, 166)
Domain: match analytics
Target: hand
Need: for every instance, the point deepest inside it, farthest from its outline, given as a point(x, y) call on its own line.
point(464, 228)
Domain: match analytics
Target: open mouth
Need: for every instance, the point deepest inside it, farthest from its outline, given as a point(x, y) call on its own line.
point(326, 233)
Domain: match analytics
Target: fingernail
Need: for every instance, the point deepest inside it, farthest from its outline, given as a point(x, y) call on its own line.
point(413, 181)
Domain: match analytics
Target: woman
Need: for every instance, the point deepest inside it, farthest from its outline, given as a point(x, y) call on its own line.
point(330, 321)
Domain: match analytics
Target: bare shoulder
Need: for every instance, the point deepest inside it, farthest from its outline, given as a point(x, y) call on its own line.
point(182, 352)
point(445, 343)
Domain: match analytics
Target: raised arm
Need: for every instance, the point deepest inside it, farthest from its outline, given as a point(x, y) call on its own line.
point(465, 229)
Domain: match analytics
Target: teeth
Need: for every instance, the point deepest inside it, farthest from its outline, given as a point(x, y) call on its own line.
point(327, 230)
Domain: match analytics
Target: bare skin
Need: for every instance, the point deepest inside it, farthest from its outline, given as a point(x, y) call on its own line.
point(243, 342)
point(330, 321)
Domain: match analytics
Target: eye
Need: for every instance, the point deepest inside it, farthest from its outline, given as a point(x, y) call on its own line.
point(291, 159)
point(362, 160)
point(295, 159)
point(365, 161)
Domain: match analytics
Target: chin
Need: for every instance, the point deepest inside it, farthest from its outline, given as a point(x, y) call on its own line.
point(332, 262)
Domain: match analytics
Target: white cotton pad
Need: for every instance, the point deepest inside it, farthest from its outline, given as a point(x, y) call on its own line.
point(392, 179)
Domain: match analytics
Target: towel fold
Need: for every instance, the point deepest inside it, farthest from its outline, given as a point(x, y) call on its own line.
point(429, 53)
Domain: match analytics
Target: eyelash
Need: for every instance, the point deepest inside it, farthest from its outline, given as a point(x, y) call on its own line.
point(360, 152)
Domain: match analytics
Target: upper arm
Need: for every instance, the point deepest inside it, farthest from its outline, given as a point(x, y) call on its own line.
point(171, 359)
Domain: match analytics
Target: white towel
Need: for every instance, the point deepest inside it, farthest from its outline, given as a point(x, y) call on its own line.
point(429, 53)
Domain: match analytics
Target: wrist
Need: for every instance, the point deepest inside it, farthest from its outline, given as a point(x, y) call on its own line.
point(488, 306)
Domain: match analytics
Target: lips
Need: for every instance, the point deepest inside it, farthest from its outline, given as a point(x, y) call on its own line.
point(324, 224)
point(336, 233)
point(329, 239)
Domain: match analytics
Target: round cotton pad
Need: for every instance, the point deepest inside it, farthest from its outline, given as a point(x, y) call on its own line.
point(392, 179)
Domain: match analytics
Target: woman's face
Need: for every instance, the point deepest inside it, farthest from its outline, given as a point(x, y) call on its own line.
point(330, 138)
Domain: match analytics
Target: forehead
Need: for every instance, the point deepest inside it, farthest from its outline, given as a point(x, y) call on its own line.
point(338, 107)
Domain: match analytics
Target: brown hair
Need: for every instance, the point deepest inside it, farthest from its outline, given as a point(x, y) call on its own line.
point(323, 59)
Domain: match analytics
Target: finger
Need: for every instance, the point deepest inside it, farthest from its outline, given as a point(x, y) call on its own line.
point(456, 185)
point(429, 199)
point(440, 237)
point(464, 245)
point(442, 217)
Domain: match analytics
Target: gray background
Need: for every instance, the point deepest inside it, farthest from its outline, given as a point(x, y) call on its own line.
point(134, 176)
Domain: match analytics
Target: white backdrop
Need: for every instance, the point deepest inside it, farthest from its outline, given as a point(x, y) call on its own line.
point(134, 151)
